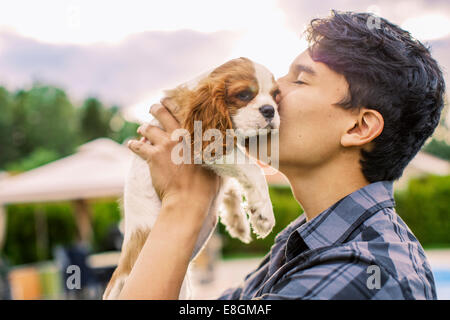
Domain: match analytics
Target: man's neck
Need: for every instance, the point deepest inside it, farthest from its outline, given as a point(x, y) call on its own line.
point(318, 189)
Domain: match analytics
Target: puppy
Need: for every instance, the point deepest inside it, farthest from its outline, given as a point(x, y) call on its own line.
point(236, 97)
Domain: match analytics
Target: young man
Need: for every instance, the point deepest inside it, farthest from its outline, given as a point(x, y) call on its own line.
point(355, 108)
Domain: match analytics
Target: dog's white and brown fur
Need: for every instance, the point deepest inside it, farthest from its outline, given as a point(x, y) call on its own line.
point(239, 94)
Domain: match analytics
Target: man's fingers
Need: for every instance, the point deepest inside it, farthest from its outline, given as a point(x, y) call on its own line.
point(164, 116)
point(141, 148)
point(152, 133)
point(169, 104)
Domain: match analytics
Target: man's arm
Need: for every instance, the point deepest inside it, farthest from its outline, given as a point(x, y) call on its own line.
point(161, 266)
point(186, 192)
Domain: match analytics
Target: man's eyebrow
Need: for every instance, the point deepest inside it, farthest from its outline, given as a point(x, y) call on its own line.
point(304, 68)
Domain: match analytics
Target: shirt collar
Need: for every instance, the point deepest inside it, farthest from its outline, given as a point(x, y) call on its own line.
point(335, 224)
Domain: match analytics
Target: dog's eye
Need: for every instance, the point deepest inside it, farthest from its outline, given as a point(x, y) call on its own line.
point(245, 95)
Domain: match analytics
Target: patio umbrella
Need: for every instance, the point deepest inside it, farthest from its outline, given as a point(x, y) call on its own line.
point(96, 170)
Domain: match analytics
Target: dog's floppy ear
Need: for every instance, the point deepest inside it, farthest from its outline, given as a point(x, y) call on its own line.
point(207, 103)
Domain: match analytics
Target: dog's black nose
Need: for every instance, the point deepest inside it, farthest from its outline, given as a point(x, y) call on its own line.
point(267, 111)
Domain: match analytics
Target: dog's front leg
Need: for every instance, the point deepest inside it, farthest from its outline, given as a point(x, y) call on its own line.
point(232, 214)
point(251, 177)
point(259, 206)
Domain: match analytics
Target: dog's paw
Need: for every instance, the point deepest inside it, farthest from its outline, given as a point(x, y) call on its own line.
point(236, 224)
point(232, 214)
point(261, 218)
point(241, 232)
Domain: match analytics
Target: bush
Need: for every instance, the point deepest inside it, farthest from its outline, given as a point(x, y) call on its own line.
point(438, 148)
point(424, 205)
point(21, 245)
point(105, 215)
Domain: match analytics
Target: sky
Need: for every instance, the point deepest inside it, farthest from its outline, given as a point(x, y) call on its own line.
point(127, 52)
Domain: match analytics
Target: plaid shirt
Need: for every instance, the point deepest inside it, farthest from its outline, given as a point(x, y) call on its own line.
point(359, 248)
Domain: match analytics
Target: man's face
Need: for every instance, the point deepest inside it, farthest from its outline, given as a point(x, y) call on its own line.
point(311, 125)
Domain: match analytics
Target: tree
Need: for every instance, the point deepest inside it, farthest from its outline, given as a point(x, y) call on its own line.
point(50, 120)
point(8, 151)
point(94, 121)
point(40, 125)
point(41, 118)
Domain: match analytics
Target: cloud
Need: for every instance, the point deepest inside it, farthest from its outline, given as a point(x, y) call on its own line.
point(299, 13)
point(131, 71)
point(440, 51)
point(117, 73)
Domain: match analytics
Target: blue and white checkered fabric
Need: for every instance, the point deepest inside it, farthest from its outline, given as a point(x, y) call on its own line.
point(359, 248)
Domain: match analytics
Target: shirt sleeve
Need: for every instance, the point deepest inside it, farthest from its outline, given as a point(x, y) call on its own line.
point(336, 279)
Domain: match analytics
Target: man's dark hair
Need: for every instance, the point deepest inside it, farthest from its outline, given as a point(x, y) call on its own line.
point(389, 71)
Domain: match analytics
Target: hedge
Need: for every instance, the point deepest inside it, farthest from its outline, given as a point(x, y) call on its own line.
point(424, 206)
point(21, 244)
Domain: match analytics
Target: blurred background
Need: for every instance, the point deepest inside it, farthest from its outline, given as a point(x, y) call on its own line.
point(78, 76)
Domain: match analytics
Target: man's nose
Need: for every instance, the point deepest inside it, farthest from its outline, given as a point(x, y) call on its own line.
point(267, 111)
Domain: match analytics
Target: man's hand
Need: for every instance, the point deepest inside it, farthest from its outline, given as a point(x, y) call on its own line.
point(172, 182)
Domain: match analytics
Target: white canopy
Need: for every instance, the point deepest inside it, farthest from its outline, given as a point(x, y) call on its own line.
point(97, 170)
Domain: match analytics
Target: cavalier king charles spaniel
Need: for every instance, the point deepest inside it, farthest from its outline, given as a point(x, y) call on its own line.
point(238, 96)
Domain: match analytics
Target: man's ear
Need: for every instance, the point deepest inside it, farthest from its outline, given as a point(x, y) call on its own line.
point(364, 128)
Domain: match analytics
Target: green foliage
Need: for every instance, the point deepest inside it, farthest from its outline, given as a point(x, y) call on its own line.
point(127, 130)
point(7, 150)
point(61, 225)
point(94, 120)
point(439, 148)
point(21, 245)
point(41, 125)
point(105, 215)
point(43, 118)
point(425, 206)
point(37, 158)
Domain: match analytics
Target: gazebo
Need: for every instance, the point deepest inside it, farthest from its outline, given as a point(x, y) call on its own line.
point(96, 170)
